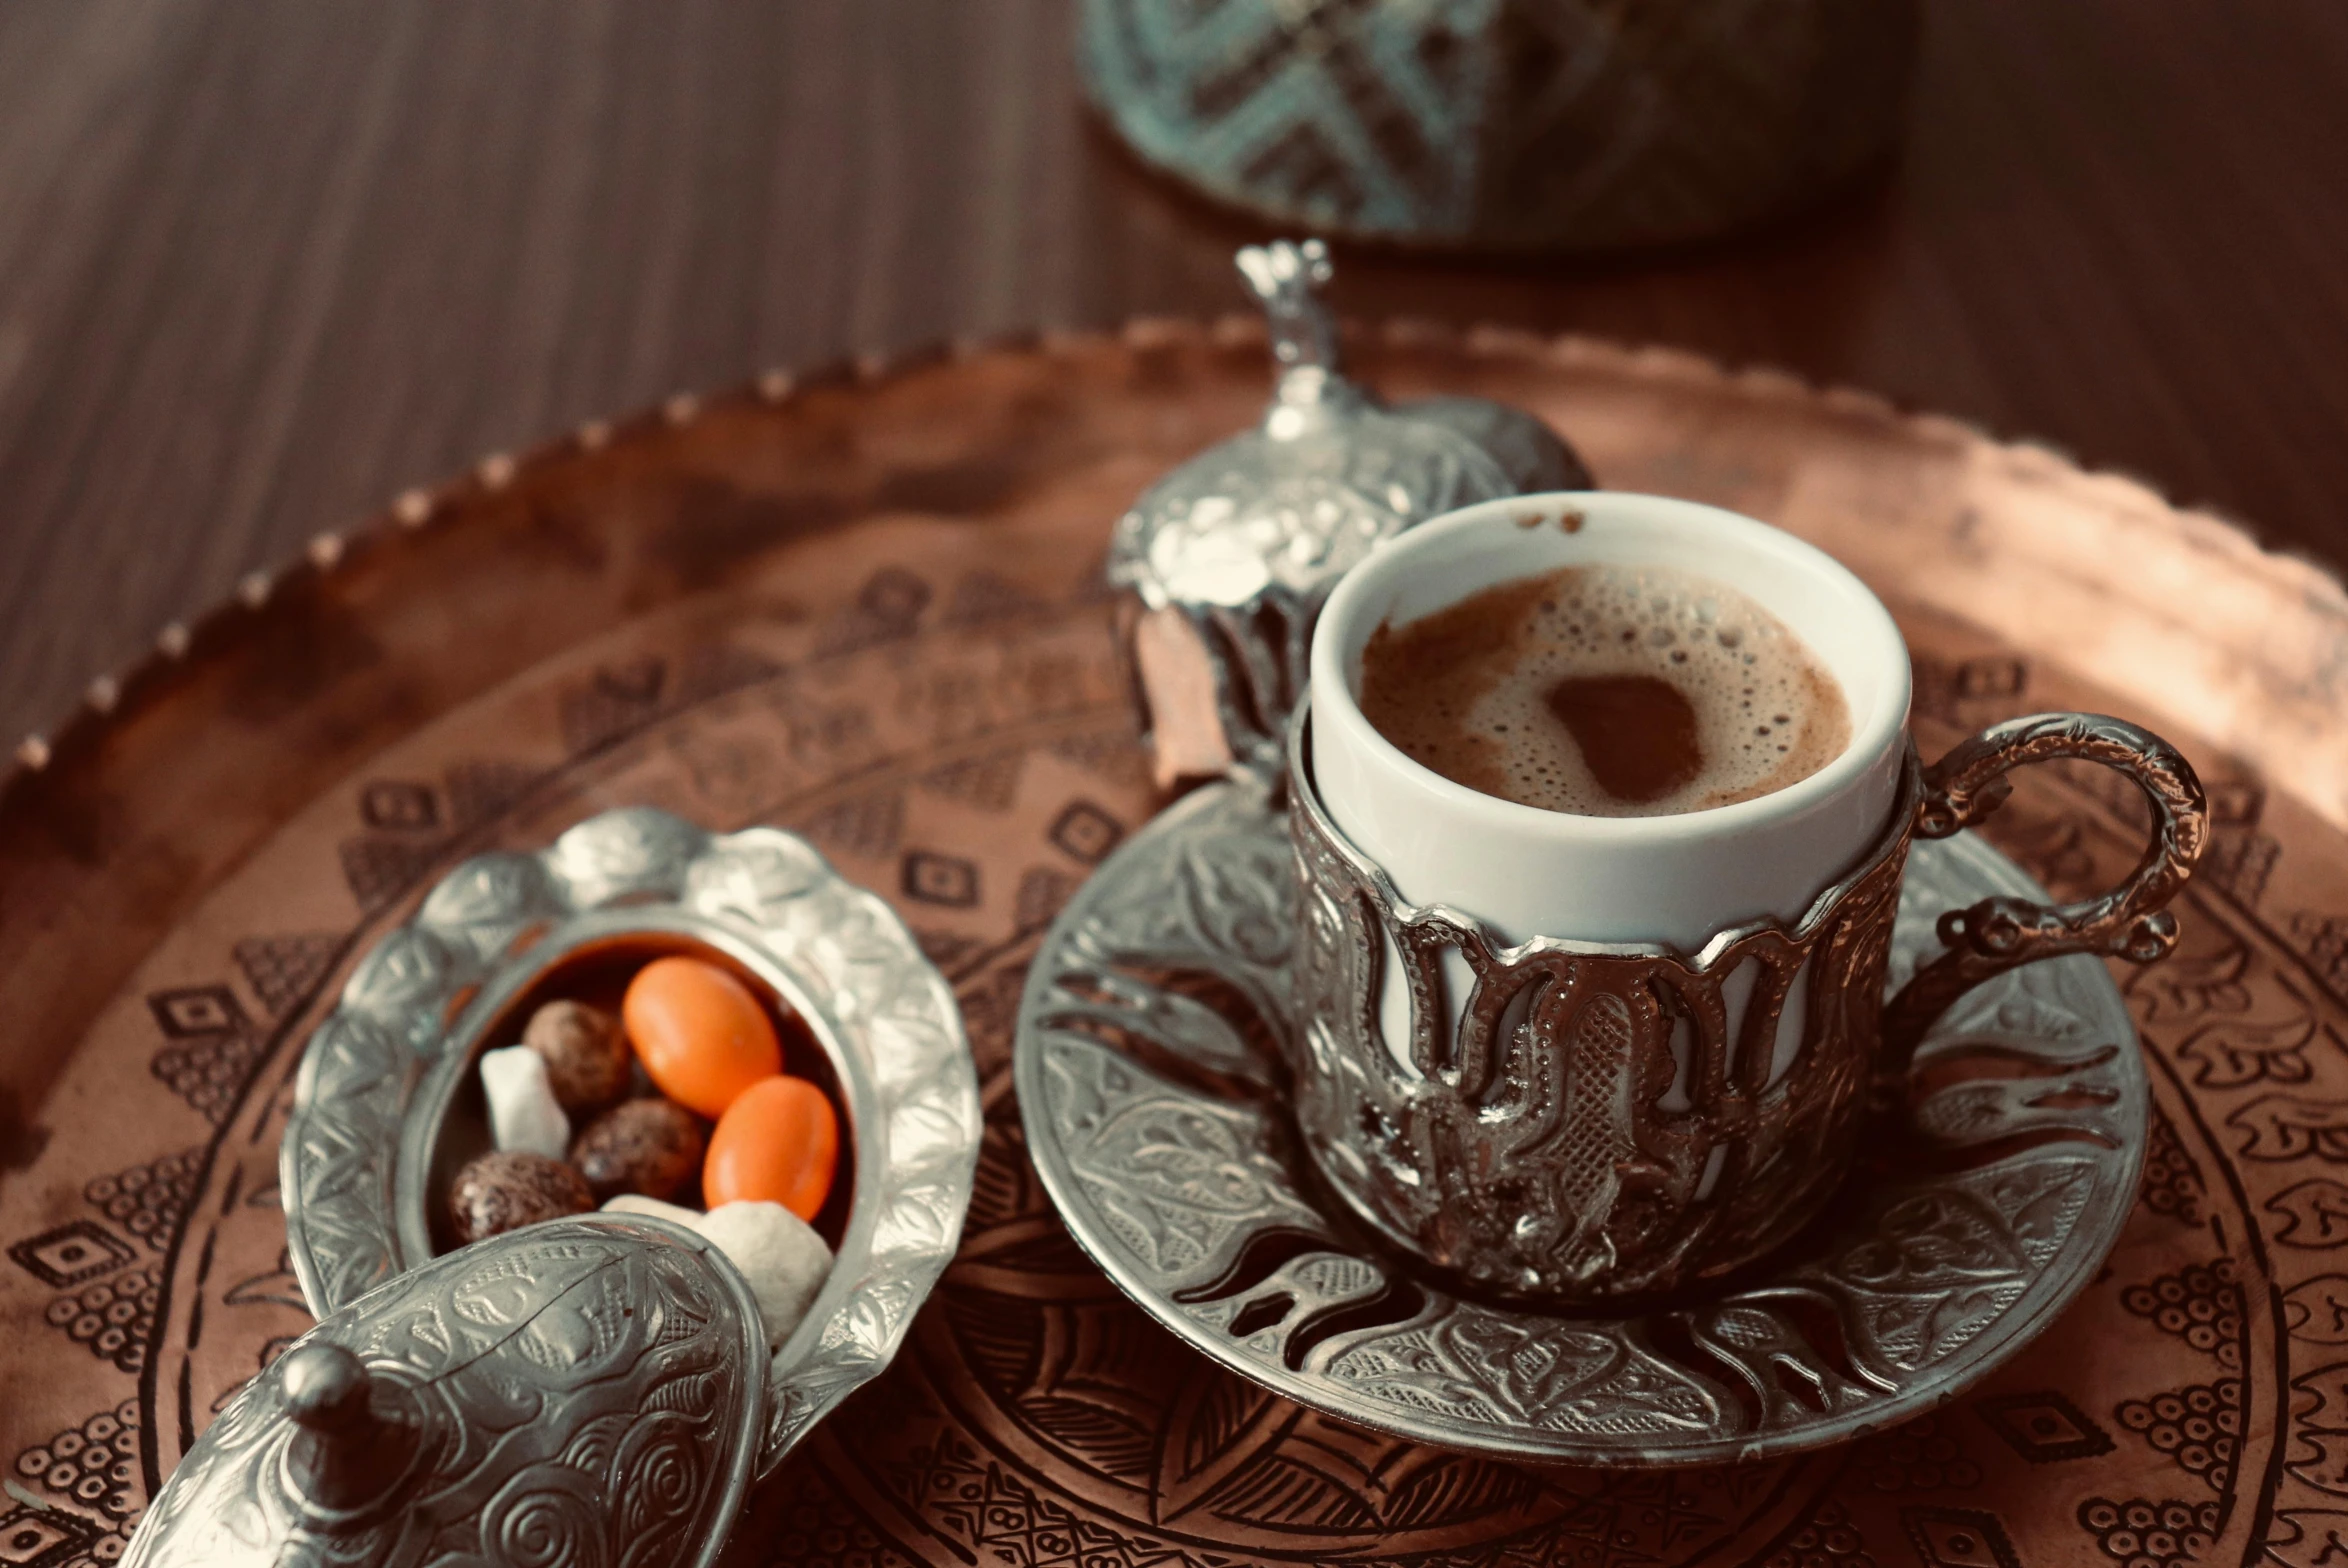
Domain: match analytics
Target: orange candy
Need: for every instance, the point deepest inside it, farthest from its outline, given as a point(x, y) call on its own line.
point(699, 1032)
point(776, 1144)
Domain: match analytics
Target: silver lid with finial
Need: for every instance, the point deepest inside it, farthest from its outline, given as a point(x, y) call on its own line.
point(583, 1391)
point(1233, 552)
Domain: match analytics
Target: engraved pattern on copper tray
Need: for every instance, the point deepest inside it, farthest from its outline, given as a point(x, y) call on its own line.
point(863, 606)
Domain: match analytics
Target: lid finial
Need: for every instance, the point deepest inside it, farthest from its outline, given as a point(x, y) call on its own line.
point(348, 1454)
point(1286, 276)
point(326, 1386)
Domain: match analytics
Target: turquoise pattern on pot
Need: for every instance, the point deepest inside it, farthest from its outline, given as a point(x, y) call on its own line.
point(1506, 124)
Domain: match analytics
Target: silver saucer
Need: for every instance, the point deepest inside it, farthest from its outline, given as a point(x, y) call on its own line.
point(1153, 1112)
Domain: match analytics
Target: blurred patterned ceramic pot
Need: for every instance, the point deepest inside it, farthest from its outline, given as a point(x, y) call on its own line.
point(1506, 124)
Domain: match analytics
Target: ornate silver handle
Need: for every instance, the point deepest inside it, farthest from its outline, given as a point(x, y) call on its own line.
point(2131, 921)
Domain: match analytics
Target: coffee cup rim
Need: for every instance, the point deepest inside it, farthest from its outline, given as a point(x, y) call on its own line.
point(1367, 590)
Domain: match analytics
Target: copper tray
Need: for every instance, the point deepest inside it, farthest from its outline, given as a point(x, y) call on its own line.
point(863, 605)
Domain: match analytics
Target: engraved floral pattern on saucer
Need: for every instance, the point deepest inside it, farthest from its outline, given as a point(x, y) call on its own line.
point(378, 1074)
point(1153, 1113)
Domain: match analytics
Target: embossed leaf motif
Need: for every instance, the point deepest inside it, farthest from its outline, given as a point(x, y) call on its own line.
point(2314, 1213)
point(491, 890)
point(2026, 1013)
point(1953, 1319)
point(1523, 1367)
point(501, 1297)
point(1227, 893)
point(2316, 1310)
point(2284, 1127)
point(639, 848)
point(762, 870)
point(1932, 1239)
point(2320, 1459)
point(1186, 1158)
point(2320, 1399)
point(1173, 1241)
point(1190, 1029)
point(2045, 1202)
point(2309, 1538)
point(2237, 1051)
point(871, 1321)
point(2191, 984)
point(1172, 1159)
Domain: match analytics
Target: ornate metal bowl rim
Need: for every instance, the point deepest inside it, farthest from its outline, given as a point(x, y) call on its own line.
point(1075, 977)
point(378, 1075)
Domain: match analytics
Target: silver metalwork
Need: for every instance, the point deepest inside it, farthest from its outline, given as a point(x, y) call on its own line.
point(1245, 540)
point(1591, 1124)
point(373, 1102)
point(1156, 1110)
point(1544, 1139)
point(586, 1391)
point(2131, 921)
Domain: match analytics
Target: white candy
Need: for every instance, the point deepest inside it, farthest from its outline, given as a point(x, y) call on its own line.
point(523, 1116)
point(784, 1260)
point(637, 1203)
point(779, 1253)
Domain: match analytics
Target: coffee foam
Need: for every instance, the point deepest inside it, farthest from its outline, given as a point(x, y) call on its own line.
point(1463, 690)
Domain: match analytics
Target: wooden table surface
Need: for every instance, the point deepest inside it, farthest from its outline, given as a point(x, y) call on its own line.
point(265, 263)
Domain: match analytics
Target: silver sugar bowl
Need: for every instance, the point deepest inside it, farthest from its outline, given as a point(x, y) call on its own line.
point(595, 1390)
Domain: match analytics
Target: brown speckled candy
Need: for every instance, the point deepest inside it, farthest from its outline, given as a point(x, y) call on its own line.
point(586, 1055)
point(652, 1147)
point(500, 1192)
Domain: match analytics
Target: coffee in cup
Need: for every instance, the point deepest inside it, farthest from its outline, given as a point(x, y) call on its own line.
point(1606, 690)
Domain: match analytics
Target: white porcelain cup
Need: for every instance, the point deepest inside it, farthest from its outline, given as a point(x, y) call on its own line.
point(1528, 872)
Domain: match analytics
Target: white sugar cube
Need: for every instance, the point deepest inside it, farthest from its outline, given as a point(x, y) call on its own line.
point(523, 1115)
point(637, 1203)
point(779, 1253)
